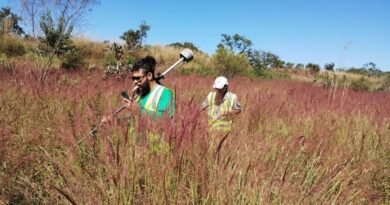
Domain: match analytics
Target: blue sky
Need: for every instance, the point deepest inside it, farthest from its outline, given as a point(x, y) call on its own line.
point(346, 32)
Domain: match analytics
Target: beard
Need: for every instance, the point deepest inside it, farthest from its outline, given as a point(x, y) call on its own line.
point(144, 89)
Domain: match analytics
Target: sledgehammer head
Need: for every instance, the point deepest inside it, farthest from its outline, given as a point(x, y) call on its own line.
point(187, 55)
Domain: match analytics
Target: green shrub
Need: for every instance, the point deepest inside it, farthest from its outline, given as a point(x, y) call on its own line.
point(263, 72)
point(72, 59)
point(109, 59)
point(386, 84)
point(360, 85)
point(229, 64)
point(90, 50)
point(129, 60)
point(12, 47)
point(57, 37)
point(313, 68)
point(282, 74)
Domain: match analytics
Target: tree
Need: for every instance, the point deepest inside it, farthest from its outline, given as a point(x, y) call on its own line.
point(329, 66)
point(371, 68)
point(259, 60)
point(185, 45)
point(134, 38)
point(265, 59)
point(313, 68)
point(279, 63)
point(236, 43)
point(262, 61)
point(9, 22)
point(289, 65)
point(31, 10)
point(70, 11)
point(299, 66)
point(229, 64)
point(58, 38)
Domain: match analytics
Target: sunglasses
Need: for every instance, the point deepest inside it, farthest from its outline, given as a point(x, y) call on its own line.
point(137, 78)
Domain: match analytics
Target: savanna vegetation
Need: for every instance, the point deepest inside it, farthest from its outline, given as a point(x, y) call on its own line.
point(306, 135)
point(294, 143)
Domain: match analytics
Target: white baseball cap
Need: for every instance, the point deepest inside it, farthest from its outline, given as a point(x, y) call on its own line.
point(220, 82)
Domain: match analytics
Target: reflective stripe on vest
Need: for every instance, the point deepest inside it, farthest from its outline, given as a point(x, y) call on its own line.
point(227, 106)
point(154, 98)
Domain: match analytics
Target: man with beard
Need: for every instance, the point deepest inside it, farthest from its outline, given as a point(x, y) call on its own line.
point(152, 98)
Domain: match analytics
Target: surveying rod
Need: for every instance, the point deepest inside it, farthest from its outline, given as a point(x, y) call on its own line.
point(95, 128)
point(185, 56)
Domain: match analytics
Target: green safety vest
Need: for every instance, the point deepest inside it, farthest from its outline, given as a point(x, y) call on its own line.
point(153, 105)
point(215, 122)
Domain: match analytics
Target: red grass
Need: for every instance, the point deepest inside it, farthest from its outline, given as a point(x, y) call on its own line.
point(293, 143)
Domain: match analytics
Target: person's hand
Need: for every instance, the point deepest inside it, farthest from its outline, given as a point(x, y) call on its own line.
point(221, 116)
point(106, 119)
point(226, 116)
point(128, 103)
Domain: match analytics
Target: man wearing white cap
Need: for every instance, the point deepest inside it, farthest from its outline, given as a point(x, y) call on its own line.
point(221, 105)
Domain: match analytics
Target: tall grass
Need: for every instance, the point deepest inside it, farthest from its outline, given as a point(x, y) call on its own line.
point(292, 144)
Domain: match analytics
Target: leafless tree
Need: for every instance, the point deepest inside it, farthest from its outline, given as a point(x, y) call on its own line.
point(71, 11)
point(31, 11)
point(68, 14)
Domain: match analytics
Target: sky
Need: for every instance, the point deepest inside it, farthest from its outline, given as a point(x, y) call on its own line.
point(349, 33)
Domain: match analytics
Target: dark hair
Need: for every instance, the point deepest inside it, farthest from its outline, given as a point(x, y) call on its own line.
point(147, 64)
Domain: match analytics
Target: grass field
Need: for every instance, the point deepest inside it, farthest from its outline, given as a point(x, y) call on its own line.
point(294, 143)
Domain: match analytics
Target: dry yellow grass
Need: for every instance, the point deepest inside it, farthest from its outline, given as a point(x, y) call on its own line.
point(91, 51)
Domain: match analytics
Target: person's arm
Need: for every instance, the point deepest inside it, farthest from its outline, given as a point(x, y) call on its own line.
point(128, 104)
point(205, 103)
point(233, 112)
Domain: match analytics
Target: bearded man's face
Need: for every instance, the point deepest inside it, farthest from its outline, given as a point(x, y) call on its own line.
point(140, 80)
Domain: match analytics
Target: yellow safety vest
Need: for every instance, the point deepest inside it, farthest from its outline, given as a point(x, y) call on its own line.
point(151, 104)
point(215, 121)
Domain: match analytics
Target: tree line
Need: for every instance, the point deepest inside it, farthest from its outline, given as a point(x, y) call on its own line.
point(53, 22)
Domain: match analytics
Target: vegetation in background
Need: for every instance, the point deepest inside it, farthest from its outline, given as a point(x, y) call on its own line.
point(293, 143)
point(9, 23)
point(12, 47)
point(57, 36)
point(57, 48)
point(263, 62)
point(188, 45)
point(71, 12)
point(227, 63)
point(386, 83)
point(329, 67)
point(134, 38)
point(360, 85)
